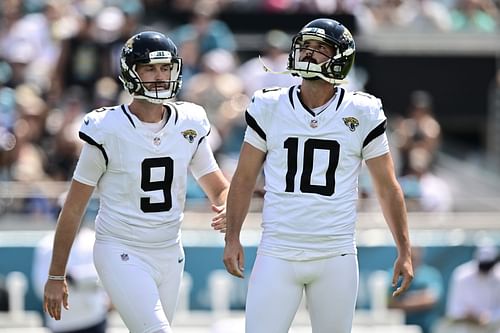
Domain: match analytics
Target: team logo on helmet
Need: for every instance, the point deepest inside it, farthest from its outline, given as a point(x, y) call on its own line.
point(129, 45)
point(351, 123)
point(347, 34)
point(189, 135)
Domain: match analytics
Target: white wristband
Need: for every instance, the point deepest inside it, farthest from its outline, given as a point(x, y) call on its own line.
point(57, 277)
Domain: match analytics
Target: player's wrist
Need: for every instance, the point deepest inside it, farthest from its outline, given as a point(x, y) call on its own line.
point(231, 236)
point(56, 277)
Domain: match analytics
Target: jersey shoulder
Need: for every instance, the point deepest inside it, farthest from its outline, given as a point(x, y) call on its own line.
point(100, 121)
point(101, 114)
point(188, 110)
point(265, 101)
point(363, 100)
point(363, 104)
point(190, 115)
point(269, 95)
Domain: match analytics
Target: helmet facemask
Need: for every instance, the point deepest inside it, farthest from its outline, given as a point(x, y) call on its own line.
point(308, 68)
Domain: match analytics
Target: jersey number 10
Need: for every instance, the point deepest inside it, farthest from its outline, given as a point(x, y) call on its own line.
point(310, 145)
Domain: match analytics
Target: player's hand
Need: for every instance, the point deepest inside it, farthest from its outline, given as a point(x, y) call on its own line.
point(55, 294)
point(402, 268)
point(219, 220)
point(234, 258)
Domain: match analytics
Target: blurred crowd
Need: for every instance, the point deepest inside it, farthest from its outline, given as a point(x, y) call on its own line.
point(58, 61)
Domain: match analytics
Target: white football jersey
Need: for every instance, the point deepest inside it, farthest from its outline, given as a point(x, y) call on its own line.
point(143, 189)
point(311, 168)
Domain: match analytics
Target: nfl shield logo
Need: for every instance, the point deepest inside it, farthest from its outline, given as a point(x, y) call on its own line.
point(156, 141)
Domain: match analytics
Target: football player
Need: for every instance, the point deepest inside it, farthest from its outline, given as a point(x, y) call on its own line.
point(311, 140)
point(138, 156)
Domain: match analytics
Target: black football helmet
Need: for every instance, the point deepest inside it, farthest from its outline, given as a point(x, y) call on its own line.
point(333, 33)
point(150, 47)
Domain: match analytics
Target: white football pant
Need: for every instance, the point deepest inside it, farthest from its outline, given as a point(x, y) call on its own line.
point(276, 287)
point(143, 283)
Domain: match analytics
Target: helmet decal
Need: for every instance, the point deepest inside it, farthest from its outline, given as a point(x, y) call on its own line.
point(128, 47)
point(313, 31)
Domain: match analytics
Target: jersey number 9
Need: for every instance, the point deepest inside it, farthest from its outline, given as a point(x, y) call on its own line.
point(164, 185)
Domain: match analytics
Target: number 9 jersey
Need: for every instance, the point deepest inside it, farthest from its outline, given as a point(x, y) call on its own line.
point(142, 173)
point(311, 168)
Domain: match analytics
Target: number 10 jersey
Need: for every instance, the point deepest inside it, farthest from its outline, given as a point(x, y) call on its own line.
point(311, 168)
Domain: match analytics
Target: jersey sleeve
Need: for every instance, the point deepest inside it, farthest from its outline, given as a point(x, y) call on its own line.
point(257, 116)
point(90, 167)
point(204, 124)
point(203, 161)
point(195, 117)
point(91, 131)
point(375, 141)
point(254, 139)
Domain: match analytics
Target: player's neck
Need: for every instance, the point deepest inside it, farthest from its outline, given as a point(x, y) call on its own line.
point(147, 112)
point(316, 93)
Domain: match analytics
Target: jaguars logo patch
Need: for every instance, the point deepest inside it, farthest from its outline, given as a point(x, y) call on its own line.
point(351, 123)
point(189, 135)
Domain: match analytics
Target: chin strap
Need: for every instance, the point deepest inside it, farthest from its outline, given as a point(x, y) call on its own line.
point(269, 70)
point(303, 73)
point(151, 99)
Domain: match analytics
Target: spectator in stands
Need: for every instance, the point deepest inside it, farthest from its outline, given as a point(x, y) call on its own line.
point(64, 146)
point(474, 294)
point(32, 43)
point(7, 120)
point(423, 16)
point(189, 50)
point(475, 15)
point(419, 129)
point(204, 27)
point(379, 15)
point(89, 302)
point(83, 58)
point(10, 13)
point(30, 159)
point(404, 16)
point(221, 92)
point(423, 189)
point(421, 301)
